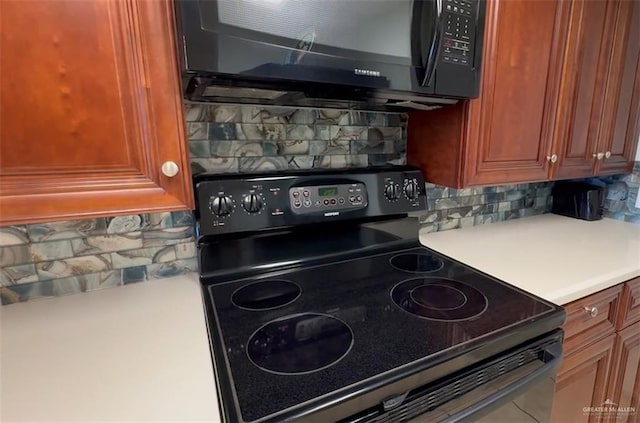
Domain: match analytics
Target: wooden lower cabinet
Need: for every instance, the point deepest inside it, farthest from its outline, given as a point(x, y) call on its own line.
point(582, 382)
point(624, 389)
point(601, 366)
point(629, 304)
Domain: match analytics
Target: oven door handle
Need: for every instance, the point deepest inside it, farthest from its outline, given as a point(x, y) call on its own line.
point(493, 401)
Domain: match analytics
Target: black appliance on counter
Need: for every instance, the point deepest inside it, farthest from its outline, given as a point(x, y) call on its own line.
point(578, 199)
point(322, 306)
point(331, 53)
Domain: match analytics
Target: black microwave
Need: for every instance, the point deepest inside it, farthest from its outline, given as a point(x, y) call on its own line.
point(301, 52)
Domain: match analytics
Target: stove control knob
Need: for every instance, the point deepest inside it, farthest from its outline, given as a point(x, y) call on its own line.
point(411, 190)
point(391, 192)
point(221, 205)
point(252, 203)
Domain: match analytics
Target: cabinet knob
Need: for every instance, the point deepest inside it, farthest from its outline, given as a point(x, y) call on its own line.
point(599, 156)
point(593, 311)
point(552, 158)
point(607, 154)
point(170, 169)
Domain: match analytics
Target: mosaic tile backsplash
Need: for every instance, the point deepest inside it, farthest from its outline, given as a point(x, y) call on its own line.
point(450, 208)
point(254, 139)
point(52, 259)
point(622, 192)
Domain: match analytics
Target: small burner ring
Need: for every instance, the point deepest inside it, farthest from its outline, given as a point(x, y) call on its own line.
point(422, 262)
point(453, 297)
point(440, 299)
point(266, 295)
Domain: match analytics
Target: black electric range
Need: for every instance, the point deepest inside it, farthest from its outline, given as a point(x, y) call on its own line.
point(329, 317)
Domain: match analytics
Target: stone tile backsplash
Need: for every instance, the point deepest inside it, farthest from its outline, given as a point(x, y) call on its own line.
point(622, 193)
point(450, 208)
point(60, 258)
point(228, 139)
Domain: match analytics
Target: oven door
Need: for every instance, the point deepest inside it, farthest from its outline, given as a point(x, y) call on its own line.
point(514, 387)
point(382, 44)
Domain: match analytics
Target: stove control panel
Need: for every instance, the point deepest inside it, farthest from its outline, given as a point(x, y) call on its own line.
point(238, 203)
point(327, 198)
point(406, 189)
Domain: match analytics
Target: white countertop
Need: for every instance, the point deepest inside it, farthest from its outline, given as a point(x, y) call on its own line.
point(557, 258)
point(134, 353)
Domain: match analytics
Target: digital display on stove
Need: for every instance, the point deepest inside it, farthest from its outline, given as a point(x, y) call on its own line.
point(327, 191)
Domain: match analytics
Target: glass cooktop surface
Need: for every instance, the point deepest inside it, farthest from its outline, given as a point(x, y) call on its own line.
point(287, 337)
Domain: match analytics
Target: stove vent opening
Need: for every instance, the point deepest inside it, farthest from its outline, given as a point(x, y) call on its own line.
point(431, 396)
point(235, 92)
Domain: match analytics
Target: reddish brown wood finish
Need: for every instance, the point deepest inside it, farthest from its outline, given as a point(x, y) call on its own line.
point(581, 94)
point(435, 144)
point(624, 389)
point(510, 125)
point(581, 328)
point(621, 116)
point(559, 77)
point(582, 382)
point(629, 304)
point(90, 109)
point(504, 135)
point(600, 364)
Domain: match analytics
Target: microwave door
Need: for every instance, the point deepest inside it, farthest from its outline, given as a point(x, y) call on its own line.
point(426, 35)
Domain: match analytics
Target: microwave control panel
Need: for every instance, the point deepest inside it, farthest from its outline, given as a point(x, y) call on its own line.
point(459, 31)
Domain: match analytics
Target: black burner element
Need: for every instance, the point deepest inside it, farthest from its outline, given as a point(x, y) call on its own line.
point(416, 263)
point(439, 299)
point(301, 343)
point(266, 295)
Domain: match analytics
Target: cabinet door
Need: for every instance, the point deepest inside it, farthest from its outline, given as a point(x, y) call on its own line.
point(509, 127)
point(629, 304)
point(582, 382)
point(504, 136)
point(621, 117)
point(90, 110)
point(580, 102)
point(625, 386)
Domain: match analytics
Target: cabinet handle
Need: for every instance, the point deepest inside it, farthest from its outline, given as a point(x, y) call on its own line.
point(599, 156)
point(170, 169)
point(552, 158)
point(593, 311)
point(607, 154)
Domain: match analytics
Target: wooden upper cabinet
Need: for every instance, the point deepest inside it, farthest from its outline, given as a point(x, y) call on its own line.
point(505, 134)
point(560, 84)
point(580, 102)
point(509, 125)
point(621, 116)
point(598, 113)
point(90, 110)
